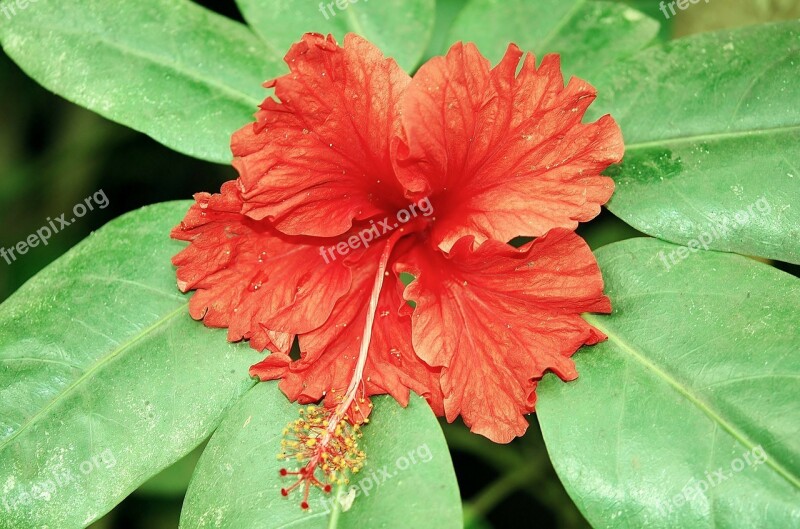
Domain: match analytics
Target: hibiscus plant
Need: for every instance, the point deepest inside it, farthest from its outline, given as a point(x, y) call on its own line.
point(399, 245)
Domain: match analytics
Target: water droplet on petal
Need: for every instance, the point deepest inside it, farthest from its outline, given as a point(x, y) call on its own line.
point(395, 354)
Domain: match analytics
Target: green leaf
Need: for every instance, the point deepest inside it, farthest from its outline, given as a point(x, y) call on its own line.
point(173, 481)
point(169, 68)
point(446, 13)
point(589, 35)
point(408, 480)
point(712, 127)
point(699, 375)
point(104, 377)
point(400, 28)
point(653, 10)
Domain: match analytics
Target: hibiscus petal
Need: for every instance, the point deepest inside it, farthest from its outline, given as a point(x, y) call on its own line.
point(330, 353)
point(320, 158)
point(506, 153)
point(261, 284)
point(273, 366)
point(496, 318)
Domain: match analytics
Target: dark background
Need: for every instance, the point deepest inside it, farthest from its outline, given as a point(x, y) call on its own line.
point(54, 154)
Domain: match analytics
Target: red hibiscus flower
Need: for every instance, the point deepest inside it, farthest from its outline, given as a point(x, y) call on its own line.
point(357, 173)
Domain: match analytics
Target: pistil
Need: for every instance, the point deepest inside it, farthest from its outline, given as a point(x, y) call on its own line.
point(326, 440)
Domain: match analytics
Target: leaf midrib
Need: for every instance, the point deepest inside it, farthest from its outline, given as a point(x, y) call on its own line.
point(354, 23)
point(710, 137)
point(231, 92)
point(548, 38)
point(687, 393)
point(91, 371)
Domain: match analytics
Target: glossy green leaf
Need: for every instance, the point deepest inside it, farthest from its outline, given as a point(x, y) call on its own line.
point(687, 416)
point(653, 10)
point(446, 13)
point(168, 68)
point(173, 481)
point(104, 377)
point(408, 480)
point(589, 35)
point(400, 28)
point(712, 132)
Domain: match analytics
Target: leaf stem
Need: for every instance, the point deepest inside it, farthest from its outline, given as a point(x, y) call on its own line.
point(495, 493)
